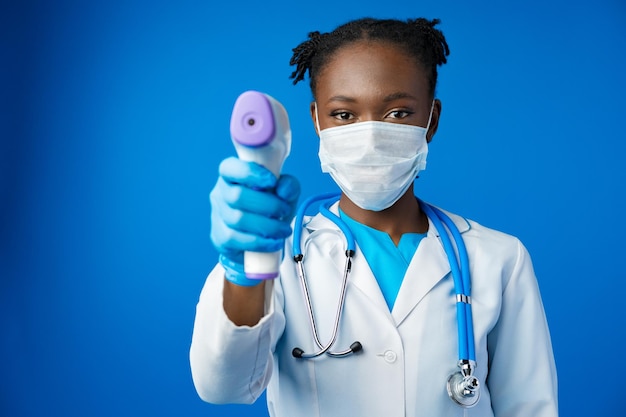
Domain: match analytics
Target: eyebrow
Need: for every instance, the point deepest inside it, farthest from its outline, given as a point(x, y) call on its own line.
point(391, 97)
point(345, 99)
point(398, 95)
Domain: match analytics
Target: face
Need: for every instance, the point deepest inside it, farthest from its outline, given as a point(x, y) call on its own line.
point(373, 81)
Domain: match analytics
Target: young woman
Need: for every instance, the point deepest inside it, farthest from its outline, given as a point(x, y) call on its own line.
point(373, 83)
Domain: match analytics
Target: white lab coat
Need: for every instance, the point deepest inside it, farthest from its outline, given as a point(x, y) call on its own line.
point(408, 353)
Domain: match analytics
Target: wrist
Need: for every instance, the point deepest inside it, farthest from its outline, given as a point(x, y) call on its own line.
point(235, 273)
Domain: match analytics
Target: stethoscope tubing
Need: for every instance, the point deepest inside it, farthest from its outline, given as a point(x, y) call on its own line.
point(326, 200)
point(458, 267)
point(463, 387)
point(460, 276)
point(299, 219)
point(465, 278)
point(325, 210)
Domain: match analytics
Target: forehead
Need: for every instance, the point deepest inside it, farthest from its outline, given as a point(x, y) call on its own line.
point(371, 67)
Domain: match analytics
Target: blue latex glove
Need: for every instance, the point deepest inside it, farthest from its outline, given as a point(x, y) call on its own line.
point(251, 210)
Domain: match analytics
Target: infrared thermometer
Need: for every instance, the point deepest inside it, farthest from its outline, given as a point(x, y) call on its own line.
point(259, 128)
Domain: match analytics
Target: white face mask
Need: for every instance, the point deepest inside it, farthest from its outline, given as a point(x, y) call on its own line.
point(374, 163)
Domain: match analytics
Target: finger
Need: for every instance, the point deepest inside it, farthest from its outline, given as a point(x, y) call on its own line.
point(250, 174)
point(255, 244)
point(245, 221)
point(239, 197)
point(232, 241)
point(255, 224)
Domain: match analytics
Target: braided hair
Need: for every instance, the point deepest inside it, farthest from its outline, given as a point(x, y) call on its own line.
point(418, 37)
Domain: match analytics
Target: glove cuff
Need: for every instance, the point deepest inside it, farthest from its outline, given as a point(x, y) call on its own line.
point(234, 272)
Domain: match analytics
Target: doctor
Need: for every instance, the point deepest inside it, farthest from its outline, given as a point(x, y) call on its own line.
point(373, 83)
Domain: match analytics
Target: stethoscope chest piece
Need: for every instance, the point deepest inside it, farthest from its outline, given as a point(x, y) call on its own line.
point(463, 387)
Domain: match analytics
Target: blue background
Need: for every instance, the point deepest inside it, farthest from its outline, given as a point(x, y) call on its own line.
point(115, 116)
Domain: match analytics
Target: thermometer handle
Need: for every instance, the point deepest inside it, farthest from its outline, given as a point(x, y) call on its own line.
point(259, 128)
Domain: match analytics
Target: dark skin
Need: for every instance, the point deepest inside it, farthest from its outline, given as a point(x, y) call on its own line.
point(364, 81)
point(376, 81)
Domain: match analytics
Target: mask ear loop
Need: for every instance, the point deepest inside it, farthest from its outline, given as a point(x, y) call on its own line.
point(430, 116)
point(317, 119)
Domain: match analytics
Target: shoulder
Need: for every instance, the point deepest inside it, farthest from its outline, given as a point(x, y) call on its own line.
point(496, 259)
point(470, 227)
point(487, 242)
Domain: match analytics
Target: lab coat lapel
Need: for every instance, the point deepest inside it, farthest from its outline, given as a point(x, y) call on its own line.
point(361, 276)
point(428, 266)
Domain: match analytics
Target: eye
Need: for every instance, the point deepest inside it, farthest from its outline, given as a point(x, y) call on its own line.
point(342, 115)
point(398, 114)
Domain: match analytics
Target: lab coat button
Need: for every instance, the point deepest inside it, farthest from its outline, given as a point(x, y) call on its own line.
point(390, 356)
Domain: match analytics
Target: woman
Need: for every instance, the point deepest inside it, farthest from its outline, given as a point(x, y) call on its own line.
point(373, 83)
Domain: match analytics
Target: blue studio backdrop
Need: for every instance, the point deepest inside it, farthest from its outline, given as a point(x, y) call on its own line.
point(114, 118)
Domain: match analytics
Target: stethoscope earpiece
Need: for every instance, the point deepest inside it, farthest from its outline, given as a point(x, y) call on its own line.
point(355, 347)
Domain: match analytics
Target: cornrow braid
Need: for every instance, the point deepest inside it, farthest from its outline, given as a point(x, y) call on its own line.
point(302, 55)
point(417, 37)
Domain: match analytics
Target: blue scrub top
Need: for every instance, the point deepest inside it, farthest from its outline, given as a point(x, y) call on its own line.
point(387, 261)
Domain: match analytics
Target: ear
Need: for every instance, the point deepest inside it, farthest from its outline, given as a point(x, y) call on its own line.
point(434, 121)
point(314, 117)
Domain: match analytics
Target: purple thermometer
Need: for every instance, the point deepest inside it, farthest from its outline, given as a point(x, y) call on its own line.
point(259, 128)
point(252, 122)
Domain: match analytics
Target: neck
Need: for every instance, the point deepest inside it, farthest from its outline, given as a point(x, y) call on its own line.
point(404, 216)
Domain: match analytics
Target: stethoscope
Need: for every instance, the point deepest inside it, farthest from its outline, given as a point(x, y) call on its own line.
point(462, 386)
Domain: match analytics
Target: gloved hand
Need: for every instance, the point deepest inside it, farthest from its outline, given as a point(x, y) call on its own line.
point(251, 210)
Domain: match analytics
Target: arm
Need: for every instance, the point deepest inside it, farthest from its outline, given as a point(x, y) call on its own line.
point(231, 363)
point(244, 306)
point(251, 210)
point(230, 354)
point(522, 373)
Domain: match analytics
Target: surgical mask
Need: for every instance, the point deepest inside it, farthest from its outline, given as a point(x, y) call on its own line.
point(374, 163)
